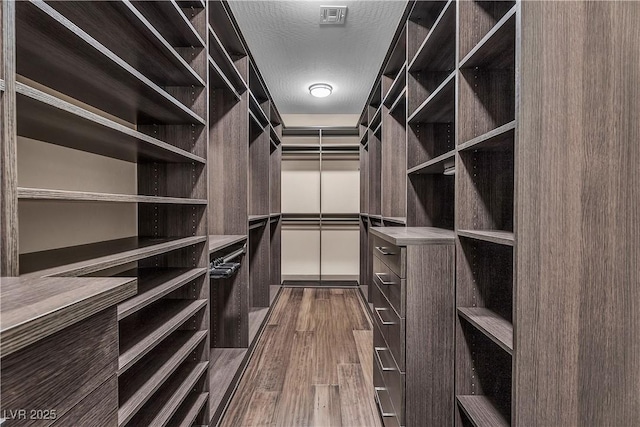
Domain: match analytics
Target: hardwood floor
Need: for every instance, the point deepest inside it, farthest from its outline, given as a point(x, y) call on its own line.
point(312, 366)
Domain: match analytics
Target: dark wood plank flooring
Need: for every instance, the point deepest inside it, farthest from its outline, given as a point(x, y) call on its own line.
point(312, 366)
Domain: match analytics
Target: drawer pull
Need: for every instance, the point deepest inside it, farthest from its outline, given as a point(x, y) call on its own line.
point(384, 322)
point(383, 411)
point(384, 251)
point(384, 282)
point(378, 350)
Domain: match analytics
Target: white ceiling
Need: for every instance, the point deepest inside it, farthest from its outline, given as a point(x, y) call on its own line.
point(292, 50)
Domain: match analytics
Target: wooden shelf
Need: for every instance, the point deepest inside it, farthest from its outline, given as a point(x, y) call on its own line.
point(82, 196)
point(47, 118)
point(189, 411)
point(499, 330)
point(258, 112)
point(225, 62)
point(136, 340)
point(437, 52)
point(403, 236)
point(494, 236)
point(439, 106)
point(224, 364)
point(497, 47)
point(217, 79)
point(154, 284)
point(481, 411)
point(220, 242)
point(256, 218)
point(136, 41)
point(138, 387)
point(397, 86)
point(376, 119)
point(56, 53)
point(397, 220)
point(221, 23)
point(433, 166)
point(275, 138)
point(400, 101)
point(35, 308)
point(86, 259)
point(255, 121)
point(166, 402)
point(167, 17)
point(500, 138)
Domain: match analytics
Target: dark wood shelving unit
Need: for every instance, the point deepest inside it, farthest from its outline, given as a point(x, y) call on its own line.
point(47, 118)
point(154, 284)
point(171, 21)
point(90, 258)
point(225, 63)
point(138, 386)
point(139, 336)
point(245, 131)
point(434, 59)
point(499, 330)
point(127, 81)
point(92, 73)
point(137, 42)
point(192, 412)
point(160, 410)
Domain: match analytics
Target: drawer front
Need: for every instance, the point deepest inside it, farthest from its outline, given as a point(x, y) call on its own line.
point(392, 286)
point(391, 326)
point(393, 379)
point(383, 402)
point(393, 256)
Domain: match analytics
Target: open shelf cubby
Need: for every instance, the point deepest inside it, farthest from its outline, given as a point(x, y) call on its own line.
point(431, 129)
point(477, 19)
point(483, 380)
point(135, 39)
point(487, 81)
point(393, 73)
point(430, 200)
point(394, 159)
point(485, 289)
point(375, 169)
point(176, 24)
point(259, 174)
point(486, 185)
point(435, 59)
point(50, 46)
point(422, 19)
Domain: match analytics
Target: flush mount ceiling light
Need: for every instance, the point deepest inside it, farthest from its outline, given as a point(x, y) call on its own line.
point(320, 90)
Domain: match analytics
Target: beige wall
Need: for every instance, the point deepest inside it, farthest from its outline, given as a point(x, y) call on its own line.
point(340, 186)
point(301, 185)
point(302, 120)
point(49, 225)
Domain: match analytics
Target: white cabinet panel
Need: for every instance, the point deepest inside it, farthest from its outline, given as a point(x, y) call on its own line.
point(340, 252)
point(340, 186)
point(300, 252)
point(301, 186)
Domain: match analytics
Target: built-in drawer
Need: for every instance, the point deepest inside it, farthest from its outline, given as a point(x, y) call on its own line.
point(393, 379)
point(383, 402)
point(391, 326)
point(393, 256)
point(392, 286)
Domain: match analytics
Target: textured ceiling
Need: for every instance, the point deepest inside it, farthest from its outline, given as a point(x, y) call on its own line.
point(292, 50)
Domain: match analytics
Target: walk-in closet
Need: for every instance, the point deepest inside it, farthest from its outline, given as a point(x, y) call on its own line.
point(296, 213)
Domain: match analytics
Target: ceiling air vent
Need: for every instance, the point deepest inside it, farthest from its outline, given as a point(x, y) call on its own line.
point(332, 15)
